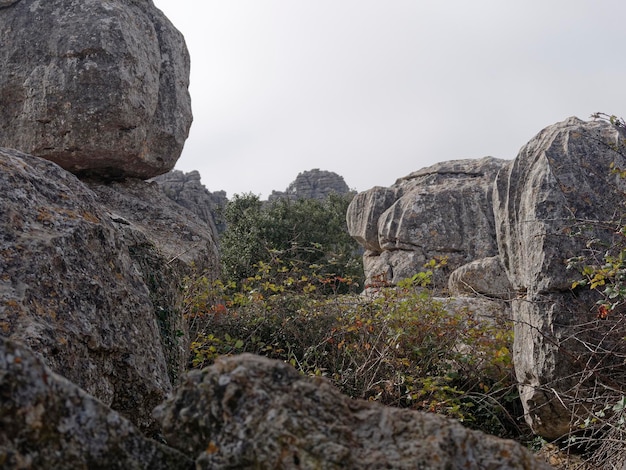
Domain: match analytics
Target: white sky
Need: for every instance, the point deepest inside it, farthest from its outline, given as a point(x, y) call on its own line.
point(376, 89)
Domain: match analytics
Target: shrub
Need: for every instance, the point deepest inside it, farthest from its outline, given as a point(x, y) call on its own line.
point(401, 348)
point(309, 233)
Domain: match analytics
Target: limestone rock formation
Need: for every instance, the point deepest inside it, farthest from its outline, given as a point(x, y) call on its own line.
point(97, 87)
point(443, 211)
point(89, 286)
point(557, 196)
point(167, 244)
point(313, 184)
point(48, 422)
point(483, 277)
point(252, 412)
point(187, 190)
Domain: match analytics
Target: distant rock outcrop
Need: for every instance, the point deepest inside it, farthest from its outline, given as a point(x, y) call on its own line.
point(252, 412)
point(313, 184)
point(97, 87)
point(48, 422)
point(90, 279)
point(187, 190)
point(443, 211)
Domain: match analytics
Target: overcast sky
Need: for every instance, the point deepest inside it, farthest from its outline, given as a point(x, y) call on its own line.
point(376, 89)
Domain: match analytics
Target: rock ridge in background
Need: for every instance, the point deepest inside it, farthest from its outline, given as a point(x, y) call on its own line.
point(187, 190)
point(313, 184)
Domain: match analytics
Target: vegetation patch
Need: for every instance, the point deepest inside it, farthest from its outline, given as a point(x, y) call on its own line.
point(402, 347)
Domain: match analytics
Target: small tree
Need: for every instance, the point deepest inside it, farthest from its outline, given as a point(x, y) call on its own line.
point(310, 233)
point(241, 245)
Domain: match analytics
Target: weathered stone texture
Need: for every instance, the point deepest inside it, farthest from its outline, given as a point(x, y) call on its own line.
point(187, 190)
point(443, 211)
point(559, 183)
point(252, 412)
point(168, 245)
point(90, 279)
point(97, 87)
point(48, 422)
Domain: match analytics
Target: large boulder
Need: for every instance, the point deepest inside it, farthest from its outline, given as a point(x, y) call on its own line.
point(252, 412)
point(97, 87)
point(91, 287)
point(48, 422)
point(557, 196)
point(443, 211)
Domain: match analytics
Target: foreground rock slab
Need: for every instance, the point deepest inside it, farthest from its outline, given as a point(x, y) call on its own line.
point(252, 412)
point(97, 87)
point(48, 422)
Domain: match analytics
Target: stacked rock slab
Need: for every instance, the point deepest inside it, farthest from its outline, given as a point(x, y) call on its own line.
point(97, 87)
point(558, 195)
point(48, 422)
point(252, 412)
point(443, 211)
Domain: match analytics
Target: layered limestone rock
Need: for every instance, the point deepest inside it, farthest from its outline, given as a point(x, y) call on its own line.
point(252, 412)
point(443, 211)
point(97, 87)
point(510, 237)
point(187, 190)
point(557, 196)
point(48, 422)
point(87, 279)
point(313, 184)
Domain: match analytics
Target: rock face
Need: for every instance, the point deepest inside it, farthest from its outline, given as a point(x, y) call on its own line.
point(167, 244)
point(48, 422)
point(187, 190)
point(252, 412)
point(443, 211)
point(559, 184)
point(313, 184)
point(81, 282)
point(509, 237)
point(97, 87)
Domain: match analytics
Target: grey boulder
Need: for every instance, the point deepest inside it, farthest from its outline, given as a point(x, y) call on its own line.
point(97, 87)
point(557, 196)
point(251, 412)
point(48, 422)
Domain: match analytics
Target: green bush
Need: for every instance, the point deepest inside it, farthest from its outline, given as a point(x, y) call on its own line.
point(401, 347)
point(308, 233)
